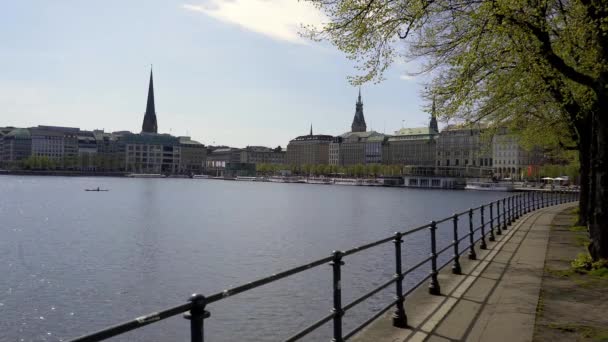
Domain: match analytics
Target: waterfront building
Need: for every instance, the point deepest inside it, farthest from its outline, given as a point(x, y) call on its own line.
point(110, 151)
point(151, 153)
point(415, 146)
point(462, 150)
point(358, 146)
point(16, 145)
point(219, 157)
point(309, 149)
point(263, 155)
point(192, 156)
point(354, 148)
point(511, 160)
point(150, 125)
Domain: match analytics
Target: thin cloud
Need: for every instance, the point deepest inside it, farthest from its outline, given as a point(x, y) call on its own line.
point(277, 19)
point(407, 77)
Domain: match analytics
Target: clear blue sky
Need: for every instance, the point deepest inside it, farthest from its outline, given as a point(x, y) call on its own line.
point(230, 72)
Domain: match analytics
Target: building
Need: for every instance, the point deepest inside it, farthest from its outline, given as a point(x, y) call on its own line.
point(415, 146)
point(357, 146)
point(219, 157)
point(150, 125)
point(263, 155)
point(192, 156)
point(151, 153)
point(16, 145)
point(462, 150)
point(511, 160)
point(309, 150)
point(354, 148)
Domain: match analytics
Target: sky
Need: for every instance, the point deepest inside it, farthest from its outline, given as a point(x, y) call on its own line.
point(226, 72)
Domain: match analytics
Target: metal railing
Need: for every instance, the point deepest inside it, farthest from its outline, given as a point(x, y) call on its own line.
point(502, 213)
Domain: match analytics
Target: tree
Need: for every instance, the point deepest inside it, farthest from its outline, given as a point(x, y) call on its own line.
point(532, 64)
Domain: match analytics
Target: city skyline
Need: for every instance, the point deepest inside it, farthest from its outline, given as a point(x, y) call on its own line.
point(234, 85)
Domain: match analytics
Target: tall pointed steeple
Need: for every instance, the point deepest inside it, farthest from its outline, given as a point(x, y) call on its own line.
point(359, 120)
point(310, 129)
point(150, 125)
point(433, 124)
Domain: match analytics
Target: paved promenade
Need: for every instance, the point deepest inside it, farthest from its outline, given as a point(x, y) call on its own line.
point(495, 299)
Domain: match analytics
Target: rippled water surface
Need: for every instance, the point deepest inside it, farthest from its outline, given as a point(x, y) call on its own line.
point(73, 262)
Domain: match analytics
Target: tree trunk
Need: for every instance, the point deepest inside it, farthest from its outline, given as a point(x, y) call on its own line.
point(584, 144)
point(598, 218)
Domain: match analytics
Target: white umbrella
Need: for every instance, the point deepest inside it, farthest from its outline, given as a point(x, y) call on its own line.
point(560, 179)
point(547, 178)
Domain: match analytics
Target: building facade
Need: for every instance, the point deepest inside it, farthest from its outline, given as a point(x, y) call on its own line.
point(309, 150)
point(464, 151)
point(511, 161)
point(263, 155)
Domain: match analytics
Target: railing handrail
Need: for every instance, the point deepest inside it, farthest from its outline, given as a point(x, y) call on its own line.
point(512, 207)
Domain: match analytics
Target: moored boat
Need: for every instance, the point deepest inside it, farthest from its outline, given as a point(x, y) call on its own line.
point(489, 186)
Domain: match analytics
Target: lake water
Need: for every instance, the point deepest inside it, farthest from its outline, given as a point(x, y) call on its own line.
point(73, 262)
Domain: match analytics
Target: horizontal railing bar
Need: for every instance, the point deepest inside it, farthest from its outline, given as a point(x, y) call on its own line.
point(409, 270)
point(369, 294)
point(133, 324)
point(370, 320)
point(369, 245)
point(445, 219)
point(310, 328)
point(257, 283)
point(445, 248)
point(412, 231)
point(417, 284)
point(447, 262)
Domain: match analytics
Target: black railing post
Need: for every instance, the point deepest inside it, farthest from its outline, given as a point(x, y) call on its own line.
point(434, 285)
point(533, 193)
point(483, 245)
point(472, 254)
point(520, 205)
point(492, 238)
point(399, 316)
point(337, 310)
point(456, 266)
point(508, 212)
point(498, 230)
point(196, 316)
point(505, 213)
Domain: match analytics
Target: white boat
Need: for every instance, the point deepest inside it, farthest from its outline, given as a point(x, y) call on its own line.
point(319, 181)
point(244, 178)
point(489, 186)
point(145, 175)
point(348, 181)
point(200, 176)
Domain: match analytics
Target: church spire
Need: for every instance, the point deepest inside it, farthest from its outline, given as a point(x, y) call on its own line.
point(310, 129)
point(150, 125)
point(359, 120)
point(433, 124)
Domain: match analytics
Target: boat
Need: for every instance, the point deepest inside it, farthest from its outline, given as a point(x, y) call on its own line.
point(348, 181)
point(489, 186)
point(145, 175)
point(245, 178)
point(200, 176)
point(98, 189)
point(319, 181)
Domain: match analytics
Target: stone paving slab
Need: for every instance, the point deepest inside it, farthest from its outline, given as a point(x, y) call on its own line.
point(495, 298)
